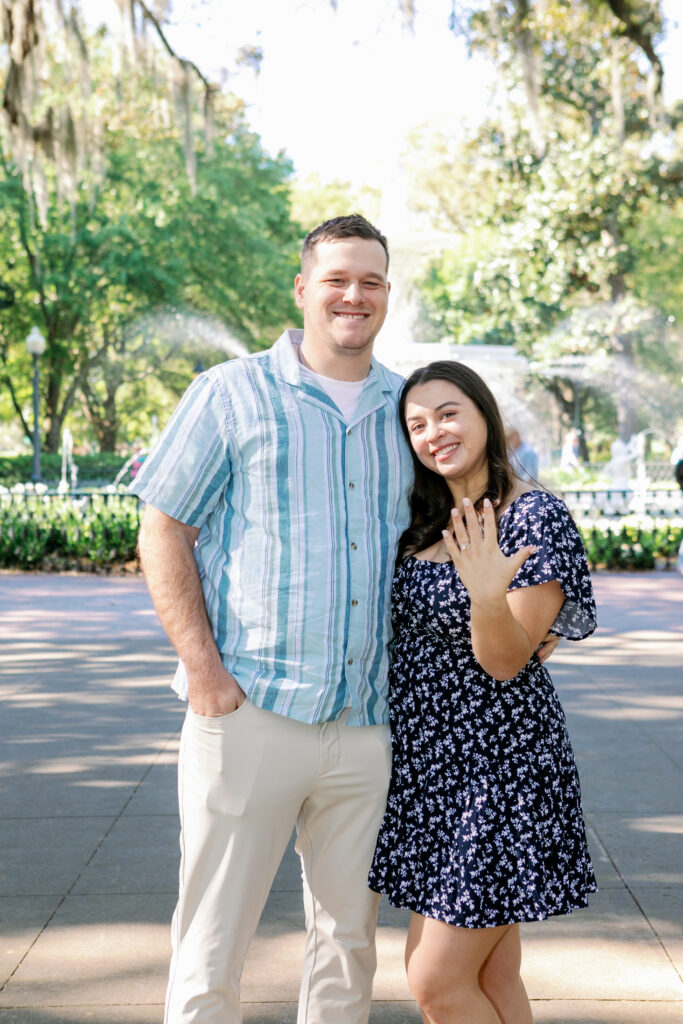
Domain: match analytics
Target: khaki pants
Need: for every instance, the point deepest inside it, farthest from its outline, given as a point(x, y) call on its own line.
point(244, 781)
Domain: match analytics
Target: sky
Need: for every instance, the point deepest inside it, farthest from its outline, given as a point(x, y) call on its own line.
point(339, 90)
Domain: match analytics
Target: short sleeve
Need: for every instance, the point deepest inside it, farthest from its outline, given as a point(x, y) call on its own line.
point(188, 469)
point(543, 520)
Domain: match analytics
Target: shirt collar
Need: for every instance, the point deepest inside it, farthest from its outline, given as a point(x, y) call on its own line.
point(288, 367)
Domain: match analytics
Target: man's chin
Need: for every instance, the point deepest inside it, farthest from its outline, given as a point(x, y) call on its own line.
point(354, 336)
point(353, 347)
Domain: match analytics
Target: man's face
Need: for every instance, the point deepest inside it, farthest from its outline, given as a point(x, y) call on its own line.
point(343, 292)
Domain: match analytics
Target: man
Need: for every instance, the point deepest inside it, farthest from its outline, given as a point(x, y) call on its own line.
point(275, 499)
point(524, 457)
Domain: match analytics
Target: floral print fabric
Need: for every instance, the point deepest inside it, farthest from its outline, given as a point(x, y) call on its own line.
point(483, 824)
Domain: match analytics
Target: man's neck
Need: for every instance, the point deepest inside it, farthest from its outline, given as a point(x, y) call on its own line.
point(346, 368)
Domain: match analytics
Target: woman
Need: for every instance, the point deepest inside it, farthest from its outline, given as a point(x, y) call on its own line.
point(483, 827)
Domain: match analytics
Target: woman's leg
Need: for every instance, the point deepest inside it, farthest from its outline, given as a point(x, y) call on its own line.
point(500, 980)
point(443, 963)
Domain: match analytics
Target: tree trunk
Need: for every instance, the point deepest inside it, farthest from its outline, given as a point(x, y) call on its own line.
point(527, 48)
point(621, 346)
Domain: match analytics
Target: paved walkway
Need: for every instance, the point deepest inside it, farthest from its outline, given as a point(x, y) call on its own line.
point(88, 841)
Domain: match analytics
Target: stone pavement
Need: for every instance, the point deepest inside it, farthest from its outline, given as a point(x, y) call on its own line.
point(88, 825)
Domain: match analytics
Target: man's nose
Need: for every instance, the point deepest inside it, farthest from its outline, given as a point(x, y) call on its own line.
point(354, 293)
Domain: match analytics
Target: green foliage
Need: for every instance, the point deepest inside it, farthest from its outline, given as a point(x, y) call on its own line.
point(565, 215)
point(656, 277)
point(636, 542)
point(142, 272)
point(90, 534)
point(93, 470)
point(99, 533)
point(314, 201)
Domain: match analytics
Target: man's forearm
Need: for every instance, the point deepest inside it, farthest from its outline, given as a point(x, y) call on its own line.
point(167, 557)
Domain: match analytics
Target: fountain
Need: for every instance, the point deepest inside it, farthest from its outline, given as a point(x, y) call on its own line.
point(69, 467)
point(501, 366)
point(619, 468)
point(138, 454)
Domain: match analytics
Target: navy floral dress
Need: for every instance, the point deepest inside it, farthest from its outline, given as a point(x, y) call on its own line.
point(483, 824)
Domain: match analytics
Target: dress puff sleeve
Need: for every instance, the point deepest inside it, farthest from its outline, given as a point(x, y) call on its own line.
point(544, 520)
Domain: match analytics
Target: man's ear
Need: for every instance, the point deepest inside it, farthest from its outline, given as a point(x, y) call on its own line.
point(299, 290)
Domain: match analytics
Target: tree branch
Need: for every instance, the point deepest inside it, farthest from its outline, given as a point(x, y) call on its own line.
point(641, 32)
point(183, 61)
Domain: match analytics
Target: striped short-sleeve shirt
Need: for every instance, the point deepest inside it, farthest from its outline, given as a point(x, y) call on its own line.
point(299, 514)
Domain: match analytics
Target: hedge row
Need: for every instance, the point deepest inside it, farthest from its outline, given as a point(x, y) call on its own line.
point(634, 542)
point(92, 533)
point(98, 532)
point(95, 470)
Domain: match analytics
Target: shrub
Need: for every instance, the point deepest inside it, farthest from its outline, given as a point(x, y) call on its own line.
point(92, 533)
point(93, 470)
point(634, 542)
point(98, 532)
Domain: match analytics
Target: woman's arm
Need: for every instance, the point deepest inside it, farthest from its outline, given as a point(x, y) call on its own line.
point(167, 556)
point(507, 627)
point(505, 637)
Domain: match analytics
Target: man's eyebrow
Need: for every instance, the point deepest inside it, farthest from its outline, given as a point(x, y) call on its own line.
point(344, 273)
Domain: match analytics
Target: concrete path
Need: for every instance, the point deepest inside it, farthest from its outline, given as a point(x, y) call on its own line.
point(88, 840)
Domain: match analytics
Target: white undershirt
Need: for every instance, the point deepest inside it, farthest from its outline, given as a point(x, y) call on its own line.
point(344, 393)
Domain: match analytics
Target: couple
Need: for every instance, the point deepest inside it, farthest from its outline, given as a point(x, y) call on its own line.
point(278, 497)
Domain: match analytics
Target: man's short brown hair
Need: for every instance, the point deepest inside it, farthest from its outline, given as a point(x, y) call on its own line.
point(351, 226)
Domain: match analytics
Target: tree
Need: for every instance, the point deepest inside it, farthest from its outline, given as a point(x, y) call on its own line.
point(108, 273)
point(314, 201)
point(49, 86)
point(551, 202)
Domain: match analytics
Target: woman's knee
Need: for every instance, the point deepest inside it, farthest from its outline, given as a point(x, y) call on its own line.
point(436, 991)
point(500, 972)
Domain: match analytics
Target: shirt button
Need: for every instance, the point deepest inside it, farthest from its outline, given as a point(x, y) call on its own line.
point(350, 661)
point(351, 484)
point(348, 431)
point(354, 547)
point(354, 603)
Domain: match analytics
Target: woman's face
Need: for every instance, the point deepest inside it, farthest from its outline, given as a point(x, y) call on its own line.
point(448, 433)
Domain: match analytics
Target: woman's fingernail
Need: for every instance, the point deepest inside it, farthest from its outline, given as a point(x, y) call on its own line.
point(454, 512)
point(466, 501)
point(487, 503)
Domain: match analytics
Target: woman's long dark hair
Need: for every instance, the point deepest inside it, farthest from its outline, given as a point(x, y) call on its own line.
point(431, 500)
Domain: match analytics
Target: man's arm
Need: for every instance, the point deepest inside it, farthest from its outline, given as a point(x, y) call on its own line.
point(167, 556)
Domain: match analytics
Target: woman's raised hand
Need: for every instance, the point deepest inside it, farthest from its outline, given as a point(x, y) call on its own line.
point(473, 547)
